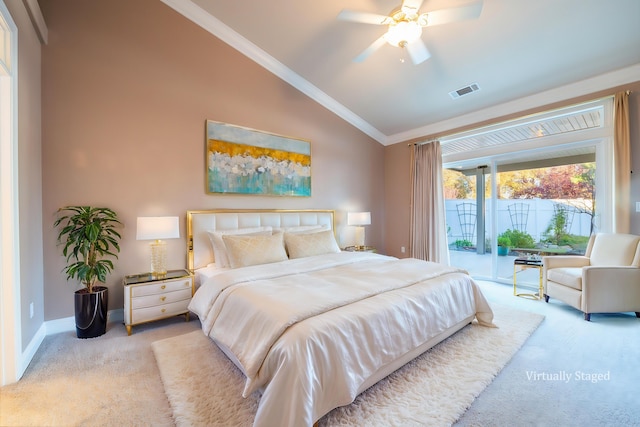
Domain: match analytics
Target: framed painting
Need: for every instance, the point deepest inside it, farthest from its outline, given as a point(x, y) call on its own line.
point(247, 161)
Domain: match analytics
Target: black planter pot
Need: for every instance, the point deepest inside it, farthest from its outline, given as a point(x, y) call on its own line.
point(91, 312)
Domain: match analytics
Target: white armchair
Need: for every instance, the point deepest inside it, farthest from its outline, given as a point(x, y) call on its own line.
point(605, 280)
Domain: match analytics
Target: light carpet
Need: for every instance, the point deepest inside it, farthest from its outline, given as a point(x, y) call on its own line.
point(111, 380)
point(204, 388)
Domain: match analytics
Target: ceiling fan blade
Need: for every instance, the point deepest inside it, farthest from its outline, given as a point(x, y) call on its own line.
point(418, 52)
point(363, 17)
point(368, 51)
point(445, 16)
point(411, 7)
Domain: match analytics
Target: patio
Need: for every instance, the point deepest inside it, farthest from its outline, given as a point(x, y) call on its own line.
point(479, 267)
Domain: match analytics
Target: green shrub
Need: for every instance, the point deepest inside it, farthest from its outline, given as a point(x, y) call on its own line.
point(504, 241)
point(462, 243)
point(578, 243)
point(518, 239)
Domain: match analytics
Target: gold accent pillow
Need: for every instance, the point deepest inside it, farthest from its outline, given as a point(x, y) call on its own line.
point(244, 251)
point(304, 245)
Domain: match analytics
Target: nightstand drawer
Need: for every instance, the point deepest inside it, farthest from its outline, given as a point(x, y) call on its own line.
point(159, 299)
point(159, 312)
point(160, 287)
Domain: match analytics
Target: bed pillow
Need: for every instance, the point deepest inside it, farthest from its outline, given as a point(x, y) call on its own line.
point(244, 251)
point(303, 229)
point(300, 245)
point(218, 245)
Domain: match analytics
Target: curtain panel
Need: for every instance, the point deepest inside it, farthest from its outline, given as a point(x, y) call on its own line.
point(428, 240)
point(622, 163)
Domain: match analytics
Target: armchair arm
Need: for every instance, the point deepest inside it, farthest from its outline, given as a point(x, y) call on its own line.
point(558, 261)
point(565, 261)
point(610, 289)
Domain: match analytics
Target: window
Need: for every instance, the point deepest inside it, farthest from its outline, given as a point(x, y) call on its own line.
point(537, 177)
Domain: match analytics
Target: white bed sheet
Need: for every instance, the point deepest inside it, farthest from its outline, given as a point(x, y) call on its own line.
point(324, 360)
point(205, 273)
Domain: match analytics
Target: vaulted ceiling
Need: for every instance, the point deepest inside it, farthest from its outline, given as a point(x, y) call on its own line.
point(521, 54)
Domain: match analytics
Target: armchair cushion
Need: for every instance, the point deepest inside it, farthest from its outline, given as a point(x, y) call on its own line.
point(571, 277)
point(613, 249)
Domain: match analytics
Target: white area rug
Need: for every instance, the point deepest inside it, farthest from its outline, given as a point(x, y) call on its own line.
point(204, 387)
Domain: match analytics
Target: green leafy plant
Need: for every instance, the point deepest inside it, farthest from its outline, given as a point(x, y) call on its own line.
point(519, 239)
point(504, 241)
point(556, 231)
point(462, 243)
point(89, 237)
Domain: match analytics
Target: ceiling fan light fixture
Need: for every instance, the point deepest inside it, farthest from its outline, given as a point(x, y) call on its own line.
point(402, 33)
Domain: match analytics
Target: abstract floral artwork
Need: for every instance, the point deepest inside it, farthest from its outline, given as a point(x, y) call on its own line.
point(247, 161)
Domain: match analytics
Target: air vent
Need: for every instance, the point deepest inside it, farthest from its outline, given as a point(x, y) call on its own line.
point(473, 87)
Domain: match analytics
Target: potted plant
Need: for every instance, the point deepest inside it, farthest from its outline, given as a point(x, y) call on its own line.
point(89, 237)
point(504, 242)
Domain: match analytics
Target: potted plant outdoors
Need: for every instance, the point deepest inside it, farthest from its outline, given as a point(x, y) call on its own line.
point(504, 242)
point(89, 237)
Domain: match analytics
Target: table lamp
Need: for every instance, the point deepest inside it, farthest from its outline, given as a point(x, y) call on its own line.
point(359, 219)
point(157, 228)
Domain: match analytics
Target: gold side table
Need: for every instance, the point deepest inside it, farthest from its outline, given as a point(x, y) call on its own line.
point(523, 264)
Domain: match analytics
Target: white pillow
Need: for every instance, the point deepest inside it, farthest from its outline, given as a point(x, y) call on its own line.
point(304, 245)
point(219, 248)
point(244, 251)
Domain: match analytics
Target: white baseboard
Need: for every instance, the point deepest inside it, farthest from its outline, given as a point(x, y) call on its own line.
point(67, 324)
point(116, 316)
point(32, 348)
point(56, 326)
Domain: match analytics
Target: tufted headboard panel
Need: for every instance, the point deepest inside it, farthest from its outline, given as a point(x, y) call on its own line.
point(199, 250)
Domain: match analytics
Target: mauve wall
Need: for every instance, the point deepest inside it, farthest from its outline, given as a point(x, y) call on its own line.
point(398, 183)
point(126, 89)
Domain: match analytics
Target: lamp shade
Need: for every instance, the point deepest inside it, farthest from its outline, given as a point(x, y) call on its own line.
point(157, 227)
point(358, 218)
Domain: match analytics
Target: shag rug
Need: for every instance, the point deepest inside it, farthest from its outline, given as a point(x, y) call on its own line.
point(204, 388)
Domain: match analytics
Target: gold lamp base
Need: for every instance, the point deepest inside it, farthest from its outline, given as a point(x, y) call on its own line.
point(159, 258)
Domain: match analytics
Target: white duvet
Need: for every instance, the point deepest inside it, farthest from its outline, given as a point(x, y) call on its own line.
point(311, 332)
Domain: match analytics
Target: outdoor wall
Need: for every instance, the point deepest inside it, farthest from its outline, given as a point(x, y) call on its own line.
point(533, 220)
point(127, 89)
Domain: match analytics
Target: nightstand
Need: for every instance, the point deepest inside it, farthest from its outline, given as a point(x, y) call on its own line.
point(360, 249)
point(148, 297)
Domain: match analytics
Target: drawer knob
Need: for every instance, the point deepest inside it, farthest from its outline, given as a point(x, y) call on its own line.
point(163, 286)
point(163, 310)
point(163, 298)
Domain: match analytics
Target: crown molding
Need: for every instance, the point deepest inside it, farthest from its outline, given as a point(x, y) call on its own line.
point(35, 14)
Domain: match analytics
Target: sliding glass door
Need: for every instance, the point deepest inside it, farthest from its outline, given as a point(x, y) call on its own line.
point(466, 197)
point(536, 208)
point(528, 187)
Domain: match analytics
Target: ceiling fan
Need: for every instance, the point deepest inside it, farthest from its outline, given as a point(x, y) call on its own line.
point(405, 26)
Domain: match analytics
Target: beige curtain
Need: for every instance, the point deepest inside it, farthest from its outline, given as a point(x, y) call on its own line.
point(428, 225)
point(622, 163)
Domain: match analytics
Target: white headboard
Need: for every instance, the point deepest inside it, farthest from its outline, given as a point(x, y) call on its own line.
point(199, 250)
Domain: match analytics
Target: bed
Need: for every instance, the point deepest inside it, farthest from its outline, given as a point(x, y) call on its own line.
point(311, 326)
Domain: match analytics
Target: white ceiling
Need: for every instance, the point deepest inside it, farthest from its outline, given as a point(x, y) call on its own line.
point(522, 54)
